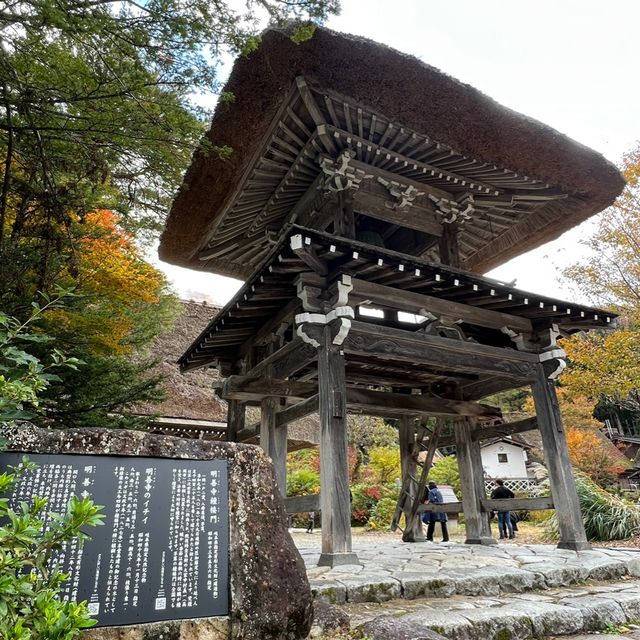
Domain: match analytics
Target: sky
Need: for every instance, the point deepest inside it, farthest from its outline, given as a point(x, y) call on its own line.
point(570, 64)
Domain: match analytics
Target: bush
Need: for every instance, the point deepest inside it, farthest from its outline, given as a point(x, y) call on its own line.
point(30, 605)
point(383, 514)
point(445, 471)
point(303, 482)
point(605, 516)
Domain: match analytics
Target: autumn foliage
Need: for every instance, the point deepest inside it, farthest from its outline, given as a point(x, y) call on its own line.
point(594, 456)
point(590, 451)
point(115, 283)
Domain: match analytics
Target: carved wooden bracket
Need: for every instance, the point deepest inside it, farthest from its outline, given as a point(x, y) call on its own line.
point(451, 211)
point(552, 356)
point(403, 194)
point(339, 318)
point(339, 174)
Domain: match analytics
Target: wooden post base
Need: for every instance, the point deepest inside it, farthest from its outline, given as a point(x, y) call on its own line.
point(577, 545)
point(413, 536)
point(337, 559)
point(485, 541)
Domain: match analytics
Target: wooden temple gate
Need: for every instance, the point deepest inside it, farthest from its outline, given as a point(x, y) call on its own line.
point(342, 210)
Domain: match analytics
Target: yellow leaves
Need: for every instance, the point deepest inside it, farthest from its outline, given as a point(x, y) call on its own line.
point(116, 287)
point(110, 263)
point(603, 364)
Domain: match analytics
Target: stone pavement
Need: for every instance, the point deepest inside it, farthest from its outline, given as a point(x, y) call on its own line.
point(465, 592)
point(392, 570)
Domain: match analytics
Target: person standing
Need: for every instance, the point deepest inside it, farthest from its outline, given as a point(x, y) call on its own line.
point(504, 517)
point(430, 518)
point(312, 521)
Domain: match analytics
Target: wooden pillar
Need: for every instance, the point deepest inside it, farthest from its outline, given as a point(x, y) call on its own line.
point(558, 463)
point(235, 419)
point(470, 468)
point(273, 440)
point(407, 436)
point(448, 245)
point(335, 502)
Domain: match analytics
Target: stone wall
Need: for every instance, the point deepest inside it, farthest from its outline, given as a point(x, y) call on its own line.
point(270, 594)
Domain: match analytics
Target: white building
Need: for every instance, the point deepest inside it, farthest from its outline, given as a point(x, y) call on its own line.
point(504, 458)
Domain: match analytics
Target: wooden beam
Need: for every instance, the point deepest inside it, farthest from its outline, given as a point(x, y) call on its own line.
point(235, 419)
point(504, 429)
point(381, 403)
point(274, 441)
point(416, 302)
point(445, 507)
point(302, 504)
point(307, 254)
point(295, 355)
point(471, 485)
point(514, 504)
point(480, 433)
point(251, 388)
point(297, 411)
point(334, 463)
point(248, 433)
point(448, 245)
point(397, 345)
point(415, 217)
point(518, 504)
point(284, 315)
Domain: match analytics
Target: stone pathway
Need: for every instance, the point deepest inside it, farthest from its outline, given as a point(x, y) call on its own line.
point(398, 570)
point(553, 612)
point(465, 592)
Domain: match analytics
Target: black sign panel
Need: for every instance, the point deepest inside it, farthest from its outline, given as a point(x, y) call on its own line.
point(163, 552)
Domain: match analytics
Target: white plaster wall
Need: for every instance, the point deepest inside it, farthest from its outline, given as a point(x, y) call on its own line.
point(515, 466)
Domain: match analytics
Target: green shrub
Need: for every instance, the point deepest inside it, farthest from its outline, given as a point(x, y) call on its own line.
point(605, 516)
point(383, 514)
point(445, 471)
point(30, 605)
point(303, 482)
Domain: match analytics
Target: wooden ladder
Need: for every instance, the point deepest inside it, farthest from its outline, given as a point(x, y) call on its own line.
point(406, 495)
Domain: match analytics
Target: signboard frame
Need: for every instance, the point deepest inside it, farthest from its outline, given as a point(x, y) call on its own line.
point(155, 581)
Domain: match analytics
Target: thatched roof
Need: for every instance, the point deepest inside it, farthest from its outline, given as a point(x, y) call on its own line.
point(188, 395)
point(420, 103)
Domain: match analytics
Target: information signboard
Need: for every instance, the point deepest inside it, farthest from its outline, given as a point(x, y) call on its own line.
point(163, 551)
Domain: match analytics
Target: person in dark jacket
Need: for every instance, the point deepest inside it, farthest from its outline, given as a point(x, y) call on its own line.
point(504, 517)
point(433, 496)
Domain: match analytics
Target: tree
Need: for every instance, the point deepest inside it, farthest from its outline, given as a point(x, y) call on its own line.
point(99, 113)
point(603, 363)
point(121, 305)
point(590, 451)
point(23, 376)
point(595, 456)
point(98, 100)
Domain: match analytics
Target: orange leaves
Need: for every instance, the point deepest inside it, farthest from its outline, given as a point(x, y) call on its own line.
point(118, 291)
point(110, 263)
point(594, 455)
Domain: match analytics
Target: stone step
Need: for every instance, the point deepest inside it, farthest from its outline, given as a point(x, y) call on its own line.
point(443, 571)
point(523, 616)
